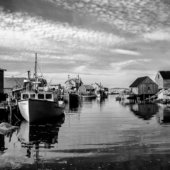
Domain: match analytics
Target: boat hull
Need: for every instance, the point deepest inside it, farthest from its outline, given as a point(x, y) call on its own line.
point(34, 110)
point(88, 96)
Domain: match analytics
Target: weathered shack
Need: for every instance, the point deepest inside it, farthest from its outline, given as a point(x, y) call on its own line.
point(162, 79)
point(144, 86)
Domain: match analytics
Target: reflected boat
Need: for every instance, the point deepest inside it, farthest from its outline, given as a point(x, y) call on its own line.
point(36, 134)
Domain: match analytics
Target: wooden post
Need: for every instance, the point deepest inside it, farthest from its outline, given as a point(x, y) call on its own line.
point(10, 110)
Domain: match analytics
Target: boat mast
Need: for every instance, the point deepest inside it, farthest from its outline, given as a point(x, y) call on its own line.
point(36, 77)
point(35, 74)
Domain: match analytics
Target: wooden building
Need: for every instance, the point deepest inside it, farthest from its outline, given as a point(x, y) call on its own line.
point(2, 81)
point(11, 83)
point(144, 86)
point(162, 79)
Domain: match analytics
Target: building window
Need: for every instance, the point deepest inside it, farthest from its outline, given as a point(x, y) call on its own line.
point(149, 88)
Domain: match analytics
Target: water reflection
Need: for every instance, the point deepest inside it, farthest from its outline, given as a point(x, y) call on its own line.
point(92, 136)
point(164, 114)
point(101, 102)
point(144, 111)
point(39, 136)
point(73, 107)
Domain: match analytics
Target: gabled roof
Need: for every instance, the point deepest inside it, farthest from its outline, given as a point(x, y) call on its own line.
point(2, 69)
point(165, 74)
point(13, 82)
point(138, 81)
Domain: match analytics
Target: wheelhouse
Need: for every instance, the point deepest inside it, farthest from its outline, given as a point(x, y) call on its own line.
point(39, 96)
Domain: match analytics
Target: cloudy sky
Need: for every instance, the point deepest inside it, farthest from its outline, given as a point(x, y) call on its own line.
point(107, 41)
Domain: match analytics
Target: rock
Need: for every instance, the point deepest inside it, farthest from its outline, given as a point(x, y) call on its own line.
point(6, 128)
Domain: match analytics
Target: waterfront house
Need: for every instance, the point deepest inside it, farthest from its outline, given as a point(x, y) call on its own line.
point(11, 83)
point(2, 95)
point(2, 80)
point(144, 87)
point(163, 79)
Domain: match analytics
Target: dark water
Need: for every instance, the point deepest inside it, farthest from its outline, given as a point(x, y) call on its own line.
point(93, 135)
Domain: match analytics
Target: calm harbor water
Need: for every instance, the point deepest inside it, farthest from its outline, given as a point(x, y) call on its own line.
point(93, 135)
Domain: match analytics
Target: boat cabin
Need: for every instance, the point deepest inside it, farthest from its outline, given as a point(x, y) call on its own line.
point(39, 96)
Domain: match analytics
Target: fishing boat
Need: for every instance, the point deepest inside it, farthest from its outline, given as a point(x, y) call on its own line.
point(87, 92)
point(71, 94)
point(36, 103)
point(101, 92)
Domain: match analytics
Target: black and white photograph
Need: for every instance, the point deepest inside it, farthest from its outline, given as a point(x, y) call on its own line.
point(84, 84)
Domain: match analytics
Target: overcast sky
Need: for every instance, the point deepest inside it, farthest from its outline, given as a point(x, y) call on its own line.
point(107, 41)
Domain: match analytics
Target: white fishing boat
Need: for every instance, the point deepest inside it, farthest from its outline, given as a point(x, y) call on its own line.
point(37, 104)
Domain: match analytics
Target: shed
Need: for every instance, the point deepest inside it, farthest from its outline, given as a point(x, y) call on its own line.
point(163, 79)
point(11, 83)
point(144, 86)
point(2, 80)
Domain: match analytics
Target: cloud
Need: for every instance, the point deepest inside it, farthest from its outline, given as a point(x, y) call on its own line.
point(36, 33)
point(132, 16)
point(80, 69)
point(120, 65)
point(126, 52)
point(158, 35)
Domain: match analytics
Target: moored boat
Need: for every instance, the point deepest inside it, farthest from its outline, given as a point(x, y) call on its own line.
point(38, 106)
point(36, 103)
point(87, 92)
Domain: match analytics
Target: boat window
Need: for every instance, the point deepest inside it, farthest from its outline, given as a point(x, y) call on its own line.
point(48, 96)
point(40, 96)
point(25, 96)
point(32, 96)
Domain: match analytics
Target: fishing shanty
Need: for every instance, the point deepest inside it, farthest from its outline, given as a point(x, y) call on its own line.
point(143, 87)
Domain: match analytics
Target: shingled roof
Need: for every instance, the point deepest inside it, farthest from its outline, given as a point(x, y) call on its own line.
point(165, 74)
point(13, 82)
point(138, 81)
